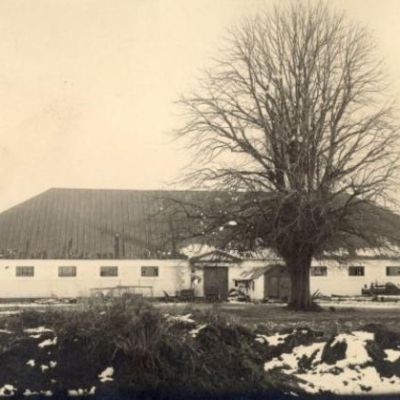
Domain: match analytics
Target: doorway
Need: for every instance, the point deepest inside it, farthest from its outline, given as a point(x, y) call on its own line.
point(216, 283)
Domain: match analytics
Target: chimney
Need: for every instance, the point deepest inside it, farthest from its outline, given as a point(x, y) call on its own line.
point(116, 245)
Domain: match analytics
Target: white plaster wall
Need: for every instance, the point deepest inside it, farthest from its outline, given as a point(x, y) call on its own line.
point(339, 282)
point(173, 275)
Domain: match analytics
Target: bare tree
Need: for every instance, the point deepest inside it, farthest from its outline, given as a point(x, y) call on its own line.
point(293, 117)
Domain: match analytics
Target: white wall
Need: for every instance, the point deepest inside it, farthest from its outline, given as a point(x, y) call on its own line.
point(339, 282)
point(173, 275)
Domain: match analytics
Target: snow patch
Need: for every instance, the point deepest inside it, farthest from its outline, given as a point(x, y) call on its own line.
point(350, 381)
point(39, 329)
point(82, 392)
point(392, 355)
point(29, 392)
point(48, 342)
point(44, 367)
point(106, 375)
point(31, 363)
point(290, 360)
point(273, 340)
point(180, 318)
point(351, 375)
point(195, 332)
point(7, 390)
point(356, 353)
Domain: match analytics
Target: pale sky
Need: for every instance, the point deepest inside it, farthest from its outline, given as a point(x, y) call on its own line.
point(87, 86)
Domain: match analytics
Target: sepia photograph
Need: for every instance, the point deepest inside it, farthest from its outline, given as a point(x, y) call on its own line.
point(200, 199)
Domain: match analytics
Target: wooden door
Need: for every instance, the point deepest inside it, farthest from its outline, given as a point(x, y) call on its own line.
point(273, 286)
point(284, 287)
point(216, 282)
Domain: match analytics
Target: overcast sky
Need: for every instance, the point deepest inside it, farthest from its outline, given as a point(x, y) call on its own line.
point(87, 86)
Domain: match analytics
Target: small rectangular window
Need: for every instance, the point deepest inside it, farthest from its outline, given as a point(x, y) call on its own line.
point(69, 271)
point(356, 271)
point(149, 271)
point(319, 271)
point(25, 271)
point(392, 271)
point(108, 271)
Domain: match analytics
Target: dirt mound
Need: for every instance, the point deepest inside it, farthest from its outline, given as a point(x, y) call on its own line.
point(117, 350)
point(364, 361)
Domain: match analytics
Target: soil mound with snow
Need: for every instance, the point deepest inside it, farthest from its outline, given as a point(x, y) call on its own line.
point(106, 352)
point(365, 361)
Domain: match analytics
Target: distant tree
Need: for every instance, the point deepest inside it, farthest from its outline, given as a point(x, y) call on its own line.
point(293, 118)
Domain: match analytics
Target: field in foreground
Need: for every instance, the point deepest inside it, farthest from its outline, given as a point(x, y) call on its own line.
point(127, 349)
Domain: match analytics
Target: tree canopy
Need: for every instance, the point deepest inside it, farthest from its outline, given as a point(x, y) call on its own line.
point(294, 114)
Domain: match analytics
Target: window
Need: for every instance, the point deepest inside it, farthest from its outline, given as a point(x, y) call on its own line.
point(319, 271)
point(66, 272)
point(25, 271)
point(108, 271)
point(149, 271)
point(356, 271)
point(392, 271)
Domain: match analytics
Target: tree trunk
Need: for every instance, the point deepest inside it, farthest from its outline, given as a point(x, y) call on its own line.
point(299, 272)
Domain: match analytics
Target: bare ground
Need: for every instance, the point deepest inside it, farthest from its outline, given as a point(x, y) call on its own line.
point(277, 318)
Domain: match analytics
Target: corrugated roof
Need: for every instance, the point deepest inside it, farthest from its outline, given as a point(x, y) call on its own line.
point(131, 224)
point(87, 223)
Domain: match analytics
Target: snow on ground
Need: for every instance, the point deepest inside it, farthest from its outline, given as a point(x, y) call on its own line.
point(82, 392)
point(392, 355)
point(29, 392)
point(361, 304)
point(181, 318)
point(194, 332)
point(7, 390)
point(48, 342)
point(354, 373)
point(38, 330)
point(356, 353)
point(106, 375)
point(273, 340)
point(289, 361)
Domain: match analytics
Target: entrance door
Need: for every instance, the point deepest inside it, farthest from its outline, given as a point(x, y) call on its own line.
point(284, 288)
point(277, 286)
point(273, 286)
point(216, 282)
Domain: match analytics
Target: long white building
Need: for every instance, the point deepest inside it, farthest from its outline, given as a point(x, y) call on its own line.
point(78, 242)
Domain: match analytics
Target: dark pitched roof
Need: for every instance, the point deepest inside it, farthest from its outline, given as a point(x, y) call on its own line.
point(103, 223)
point(91, 223)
